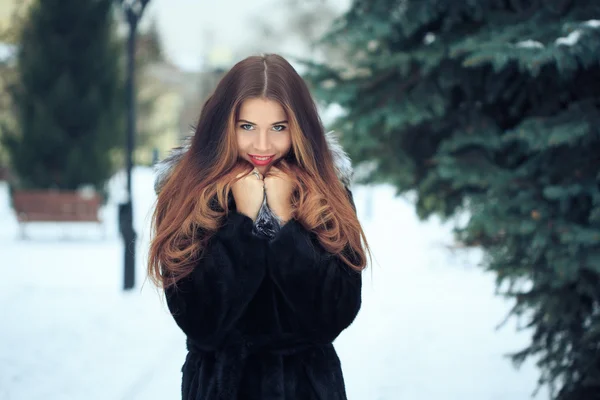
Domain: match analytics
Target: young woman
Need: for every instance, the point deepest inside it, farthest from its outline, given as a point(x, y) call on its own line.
point(256, 242)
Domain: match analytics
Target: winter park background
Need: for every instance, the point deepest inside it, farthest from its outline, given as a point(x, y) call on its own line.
point(484, 112)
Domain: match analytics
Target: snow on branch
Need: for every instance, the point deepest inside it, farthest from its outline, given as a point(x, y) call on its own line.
point(569, 40)
point(593, 23)
point(574, 36)
point(530, 44)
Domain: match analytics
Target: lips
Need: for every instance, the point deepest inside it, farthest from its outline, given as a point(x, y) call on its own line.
point(259, 160)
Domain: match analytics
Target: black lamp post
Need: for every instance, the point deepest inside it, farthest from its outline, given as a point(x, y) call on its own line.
point(133, 10)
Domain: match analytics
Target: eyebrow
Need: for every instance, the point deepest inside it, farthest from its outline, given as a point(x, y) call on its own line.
point(252, 123)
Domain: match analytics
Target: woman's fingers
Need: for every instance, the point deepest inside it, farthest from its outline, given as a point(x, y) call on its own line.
point(274, 171)
point(254, 174)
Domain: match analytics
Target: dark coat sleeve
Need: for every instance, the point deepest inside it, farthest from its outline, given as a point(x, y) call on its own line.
point(321, 293)
point(207, 303)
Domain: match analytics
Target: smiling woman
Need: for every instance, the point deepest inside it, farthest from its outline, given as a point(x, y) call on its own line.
point(257, 244)
point(268, 138)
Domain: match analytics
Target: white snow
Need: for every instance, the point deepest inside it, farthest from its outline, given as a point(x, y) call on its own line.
point(426, 329)
point(530, 44)
point(429, 38)
point(373, 45)
point(574, 36)
point(570, 39)
point(7, 51)
point(593, 23)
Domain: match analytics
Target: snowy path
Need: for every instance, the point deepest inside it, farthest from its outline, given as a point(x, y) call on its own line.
point(426, 329)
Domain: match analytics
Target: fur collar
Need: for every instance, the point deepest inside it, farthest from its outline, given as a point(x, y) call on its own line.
point(341, 161)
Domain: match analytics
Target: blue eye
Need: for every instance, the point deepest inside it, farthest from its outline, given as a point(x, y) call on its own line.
point(279, 126)
point(246, 127)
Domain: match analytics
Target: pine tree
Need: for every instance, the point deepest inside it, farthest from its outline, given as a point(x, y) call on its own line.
point(69, 96)
point(491, 107)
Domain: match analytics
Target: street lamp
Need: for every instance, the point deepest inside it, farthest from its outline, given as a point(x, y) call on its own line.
point(133, 10)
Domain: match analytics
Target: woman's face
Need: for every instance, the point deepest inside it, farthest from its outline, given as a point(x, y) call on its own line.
point(262, 131)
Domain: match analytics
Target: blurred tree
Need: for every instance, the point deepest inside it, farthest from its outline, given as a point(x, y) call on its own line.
point(491, 107)
point(292, 29)
point(150, 47)
point(11, 20)
point(69, 97)
point(149, 52)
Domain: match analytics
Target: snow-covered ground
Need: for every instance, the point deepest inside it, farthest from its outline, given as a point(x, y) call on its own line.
point(426, 329)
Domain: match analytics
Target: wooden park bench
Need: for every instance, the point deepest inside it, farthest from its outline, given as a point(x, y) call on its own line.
point(55, 206)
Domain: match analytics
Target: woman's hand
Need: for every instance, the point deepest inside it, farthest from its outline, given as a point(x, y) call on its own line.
point(248, 193)
point(279, 188)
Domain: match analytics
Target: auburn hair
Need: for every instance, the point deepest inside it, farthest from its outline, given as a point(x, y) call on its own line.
point(193, 202)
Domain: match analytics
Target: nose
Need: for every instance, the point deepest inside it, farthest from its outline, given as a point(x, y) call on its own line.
point(262, 142)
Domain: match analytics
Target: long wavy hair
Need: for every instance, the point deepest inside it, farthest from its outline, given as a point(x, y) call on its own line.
point(193, 202)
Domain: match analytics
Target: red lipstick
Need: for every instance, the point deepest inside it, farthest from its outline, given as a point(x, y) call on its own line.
point(261, 160)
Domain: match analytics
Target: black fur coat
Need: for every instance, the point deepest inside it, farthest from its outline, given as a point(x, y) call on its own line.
point(260, 312)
